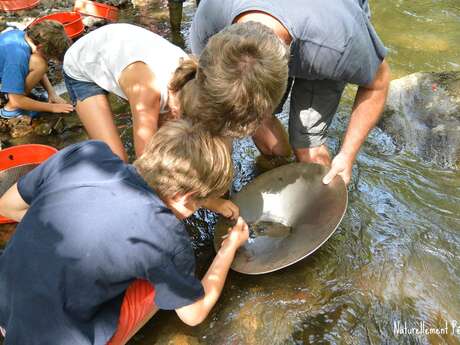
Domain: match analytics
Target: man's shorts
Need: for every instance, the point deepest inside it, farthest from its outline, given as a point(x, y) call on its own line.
point(81, 90)
point(138, 303)
point(313, 106)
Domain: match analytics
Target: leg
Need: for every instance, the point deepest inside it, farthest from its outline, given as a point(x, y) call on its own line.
point(313, 105)
point(37, 69)
point(96, 115)
point(175, 14)
point(319, 154)
point(271, 138)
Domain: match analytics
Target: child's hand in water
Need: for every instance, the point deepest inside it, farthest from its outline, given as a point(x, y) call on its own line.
point(224, 207)
point(237, 235)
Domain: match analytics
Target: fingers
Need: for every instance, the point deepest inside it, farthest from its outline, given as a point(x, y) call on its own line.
point(330, 175)
point(67, 108)
point(234, 210)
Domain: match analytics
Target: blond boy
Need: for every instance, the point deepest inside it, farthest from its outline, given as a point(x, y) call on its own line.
point(91, 225)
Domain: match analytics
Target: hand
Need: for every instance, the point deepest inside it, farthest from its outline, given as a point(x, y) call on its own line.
point(341, 165)
point(56, 99)
point(237, 235)
point(224, 207)
point(61, 108)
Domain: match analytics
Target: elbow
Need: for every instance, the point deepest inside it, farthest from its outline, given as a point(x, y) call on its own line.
point(192, 315)
point(195, 321)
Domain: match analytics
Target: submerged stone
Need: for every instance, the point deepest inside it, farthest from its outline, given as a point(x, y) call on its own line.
point(423, 115)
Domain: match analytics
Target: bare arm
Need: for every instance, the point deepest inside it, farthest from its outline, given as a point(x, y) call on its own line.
point(52, 95)
point(366, 112)
point(138, 83)
point(27, 103)
point(12, 205)
point(213, 281)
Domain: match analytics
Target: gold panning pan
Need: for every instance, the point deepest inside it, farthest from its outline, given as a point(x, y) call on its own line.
point(290, 212)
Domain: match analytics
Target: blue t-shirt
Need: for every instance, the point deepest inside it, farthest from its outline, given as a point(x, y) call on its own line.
point(331, 39)
point(93, 227)
point(14, 61)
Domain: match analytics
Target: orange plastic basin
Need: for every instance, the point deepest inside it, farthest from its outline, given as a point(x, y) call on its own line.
point(72, 22)
point(96, 9)
point(21, 155)
point(16, 5)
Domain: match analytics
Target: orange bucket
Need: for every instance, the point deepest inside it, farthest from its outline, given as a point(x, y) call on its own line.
point(72, 22)
point(17, 161)
point(96, 9)
point(16, 5)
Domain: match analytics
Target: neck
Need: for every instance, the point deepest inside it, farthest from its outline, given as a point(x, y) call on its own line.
point(264, 18)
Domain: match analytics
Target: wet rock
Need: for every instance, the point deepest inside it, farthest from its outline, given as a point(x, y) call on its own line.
point(43, 129)
point(182, 339)
point(20, 126)
point(423, 115)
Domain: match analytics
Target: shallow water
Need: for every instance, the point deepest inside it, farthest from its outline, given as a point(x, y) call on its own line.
point(394, 259)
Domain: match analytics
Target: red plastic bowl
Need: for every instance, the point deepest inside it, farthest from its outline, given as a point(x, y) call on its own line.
point(96, 9)
point(16, 5)
point(72, 22)
point(21, 155)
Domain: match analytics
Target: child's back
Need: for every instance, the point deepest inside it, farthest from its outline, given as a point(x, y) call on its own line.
point(92, 228)
point(14, 61)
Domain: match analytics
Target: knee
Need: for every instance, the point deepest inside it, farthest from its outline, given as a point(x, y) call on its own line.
point(38, 64)
point(318, 155)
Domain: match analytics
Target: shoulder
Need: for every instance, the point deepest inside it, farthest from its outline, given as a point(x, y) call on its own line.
point(18, 50)
point(86, 154)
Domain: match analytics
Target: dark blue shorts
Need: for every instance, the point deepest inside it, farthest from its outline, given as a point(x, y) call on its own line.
point(81, 90)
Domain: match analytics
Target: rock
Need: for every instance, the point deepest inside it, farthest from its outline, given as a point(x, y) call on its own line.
point(20, 131)
point(43, 129)
point(423, 115)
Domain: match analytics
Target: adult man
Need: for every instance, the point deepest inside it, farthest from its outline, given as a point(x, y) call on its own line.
point(332, 43)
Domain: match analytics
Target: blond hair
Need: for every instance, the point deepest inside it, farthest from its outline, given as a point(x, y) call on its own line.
point(50, 34)
point(181, 159)
point(240, 78)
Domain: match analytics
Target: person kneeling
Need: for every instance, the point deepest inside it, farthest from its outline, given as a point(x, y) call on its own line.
point(92, 226)
point(24, 57)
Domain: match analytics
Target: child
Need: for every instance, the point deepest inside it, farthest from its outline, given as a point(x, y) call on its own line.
point(23, 64)
point(90, 225)
point(133, 63)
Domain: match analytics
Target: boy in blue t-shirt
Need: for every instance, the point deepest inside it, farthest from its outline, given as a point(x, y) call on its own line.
point(91, 225)
point(23, 64)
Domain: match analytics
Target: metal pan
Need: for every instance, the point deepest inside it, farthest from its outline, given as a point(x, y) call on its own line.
point(303, 212)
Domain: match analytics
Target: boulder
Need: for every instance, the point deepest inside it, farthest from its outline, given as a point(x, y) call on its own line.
point(423, 115)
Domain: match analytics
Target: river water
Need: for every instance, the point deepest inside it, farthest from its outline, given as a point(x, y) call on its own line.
point(393, 262)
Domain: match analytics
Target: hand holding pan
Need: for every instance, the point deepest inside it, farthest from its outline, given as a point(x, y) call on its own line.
point(290, 214)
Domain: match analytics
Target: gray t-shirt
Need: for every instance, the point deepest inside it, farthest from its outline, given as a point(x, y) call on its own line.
point(331, 39)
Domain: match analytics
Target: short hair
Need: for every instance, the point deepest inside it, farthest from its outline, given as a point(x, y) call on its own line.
point(240, 79)
point(181, 159)
point(52, 37)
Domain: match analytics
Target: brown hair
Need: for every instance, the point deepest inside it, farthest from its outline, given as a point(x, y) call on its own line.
point(52, 37)
point(240, 78)
point(181, 158)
